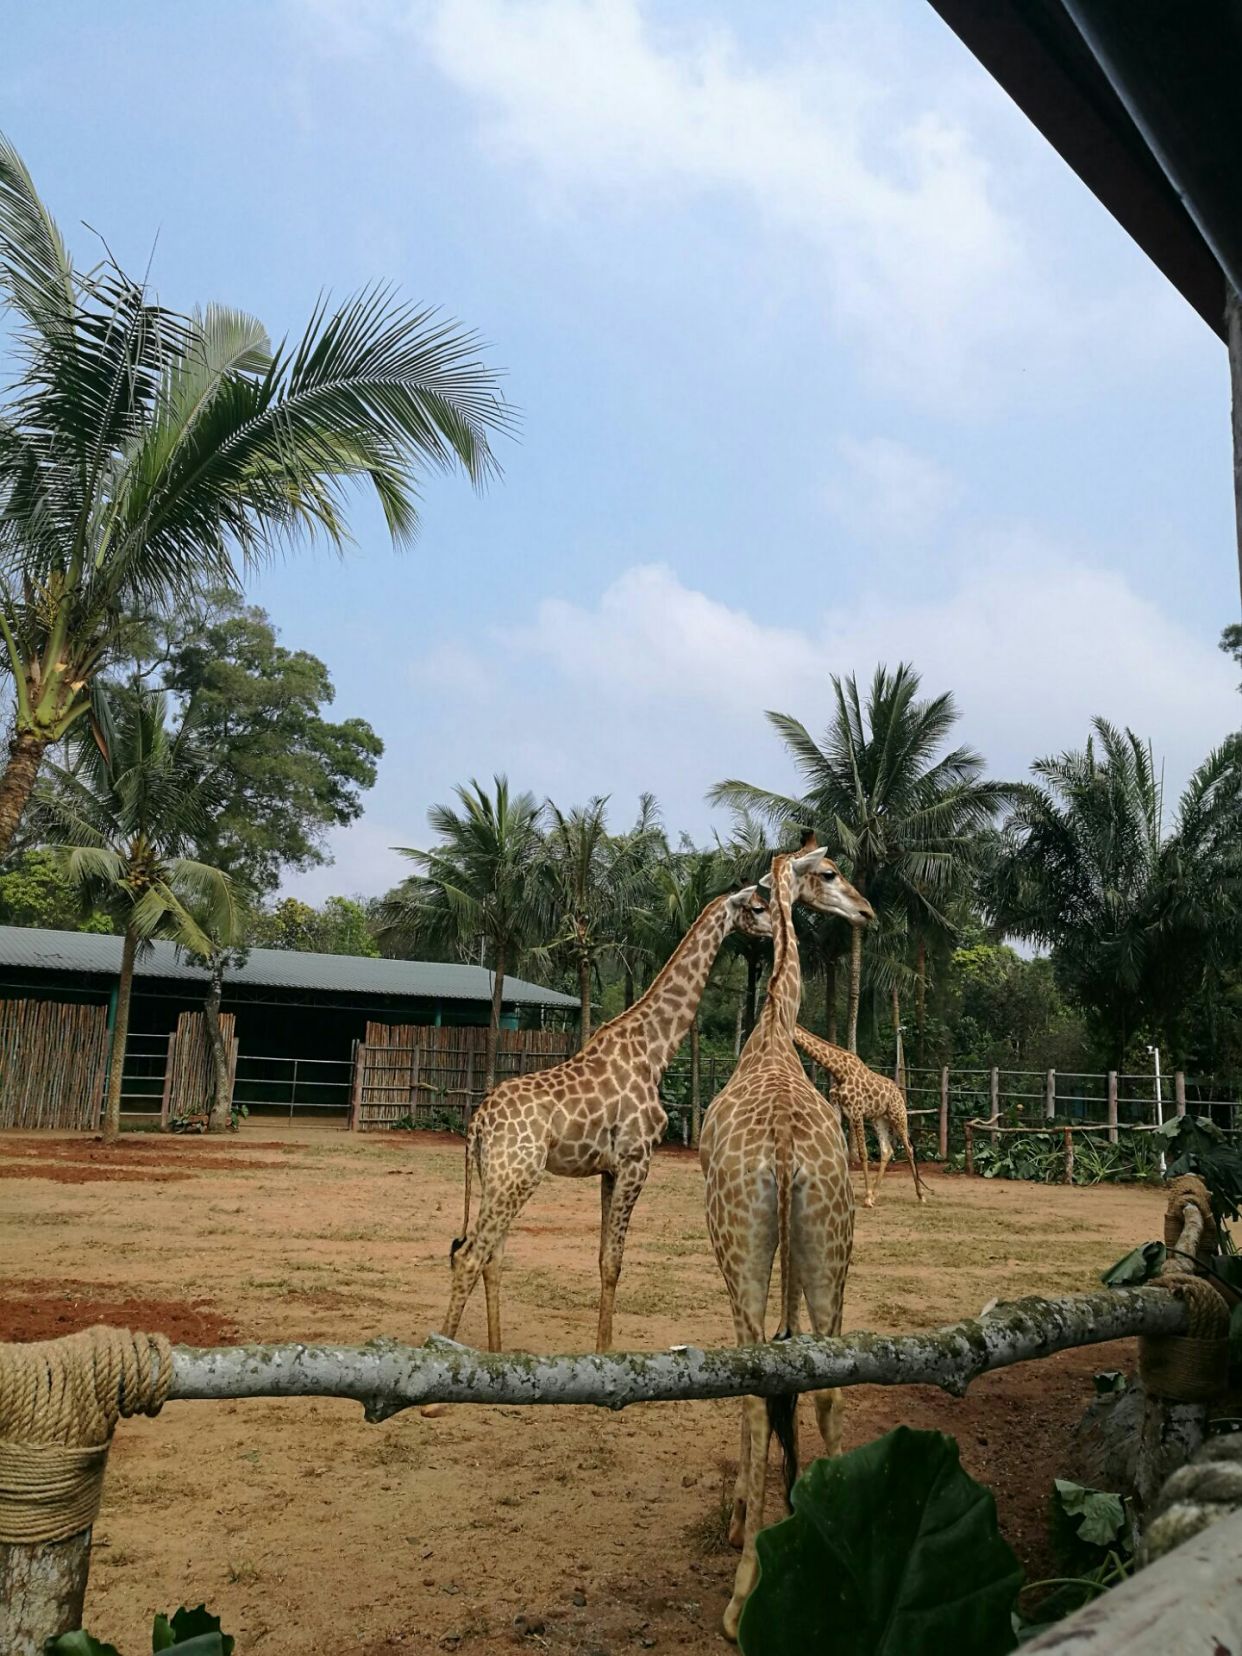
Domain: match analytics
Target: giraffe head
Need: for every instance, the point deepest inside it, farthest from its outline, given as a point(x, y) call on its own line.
point(748, 912)
point(820, 884)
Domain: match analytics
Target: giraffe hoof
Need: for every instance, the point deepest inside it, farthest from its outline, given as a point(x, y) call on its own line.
point(434, 1411)
point(737, 1534)
point(732, 1615)
point(868, 1201)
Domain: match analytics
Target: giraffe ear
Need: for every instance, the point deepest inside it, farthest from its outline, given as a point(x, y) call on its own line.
point(812, 860)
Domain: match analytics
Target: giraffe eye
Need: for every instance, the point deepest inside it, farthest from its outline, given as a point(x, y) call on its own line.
point(829, 874)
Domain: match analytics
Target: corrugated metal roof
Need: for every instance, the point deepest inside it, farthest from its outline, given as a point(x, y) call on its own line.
point(60, 951)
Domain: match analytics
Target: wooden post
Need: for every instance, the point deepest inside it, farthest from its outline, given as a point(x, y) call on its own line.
point(1069, 1155)
point(994, 1095)
point(1179, 1090)
point(1112, 1106)
point(944, 1113)
point(166, 1101)
point(42, 1590)
point(355, 1089)
point(1050, 1095)
point(970, 1148)
point(468, 1111)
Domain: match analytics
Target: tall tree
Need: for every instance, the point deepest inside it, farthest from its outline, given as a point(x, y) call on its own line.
point(143, 453)
point(1136, 912)
point(901, 813)
point(595, 882)
point(121, 812)
point(478, 893)
point(341, 925)
point(292, 773)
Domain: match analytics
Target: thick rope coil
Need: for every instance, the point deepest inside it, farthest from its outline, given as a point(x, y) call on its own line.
point(1206, 1489)
point(1191, 1367)
point(60, 1401)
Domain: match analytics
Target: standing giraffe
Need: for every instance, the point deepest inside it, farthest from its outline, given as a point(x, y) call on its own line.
point(865, 1096)
point(778, 1186)
point(598, 1115)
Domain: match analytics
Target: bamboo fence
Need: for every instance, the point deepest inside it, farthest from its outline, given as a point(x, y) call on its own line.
point(404, 1072)
point(53, 1060)
point(189, 1073)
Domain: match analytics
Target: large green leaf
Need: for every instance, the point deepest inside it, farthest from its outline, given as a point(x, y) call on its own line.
point(190, 1633)
point(1098, 1516)
point(79, 1643)
point(892, 1550)
point(1140, 1265)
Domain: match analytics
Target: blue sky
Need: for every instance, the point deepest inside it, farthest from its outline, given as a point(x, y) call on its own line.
point(823, 358)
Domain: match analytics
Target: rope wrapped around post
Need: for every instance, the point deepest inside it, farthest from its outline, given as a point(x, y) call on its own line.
point(60, 1401)
point(1191, 1367)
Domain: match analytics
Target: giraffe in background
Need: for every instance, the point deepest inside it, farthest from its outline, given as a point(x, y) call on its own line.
point(865, 1096)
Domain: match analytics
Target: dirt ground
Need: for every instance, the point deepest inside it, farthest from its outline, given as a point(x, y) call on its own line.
point(305, 1528)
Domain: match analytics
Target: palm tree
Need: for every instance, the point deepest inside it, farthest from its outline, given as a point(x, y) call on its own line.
point(594, 880)
point(121, 812)
point(1136, 914)
point(904, 820)
point(479, 893)
point(142, 453)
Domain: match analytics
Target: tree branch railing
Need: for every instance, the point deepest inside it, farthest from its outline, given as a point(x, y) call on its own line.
point(43, 1584)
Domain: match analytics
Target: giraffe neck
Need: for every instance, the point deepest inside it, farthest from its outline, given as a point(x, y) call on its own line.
point(836, 1060)
point(780, 1011)
point(666, 1010)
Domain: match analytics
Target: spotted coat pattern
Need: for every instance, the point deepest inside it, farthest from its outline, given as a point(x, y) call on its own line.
point(863, 1096)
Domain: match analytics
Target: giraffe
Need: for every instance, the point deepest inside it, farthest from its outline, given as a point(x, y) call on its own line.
point(865, 1096)
point(777, 1185)
point(598, 1115)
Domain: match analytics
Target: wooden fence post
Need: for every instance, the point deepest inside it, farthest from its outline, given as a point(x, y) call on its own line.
point(166, 1100)
point(1179, 1090)
point(1112, 1106)
point(355, 1091)
point(994, 1095)
point(468, 1109)
point(1050, 1095)
point(944, 1113)
point(1069, 1155)
point(970, 1148)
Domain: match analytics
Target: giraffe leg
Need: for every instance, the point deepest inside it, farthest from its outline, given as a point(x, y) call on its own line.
point(886, 1149)
point(824, 1292)
point(617, 1206)
point(754, 1458)
point(737, 1518)
point(859, 1133)
point(914, 1170)
point(491, 1288)
point(499, 1206)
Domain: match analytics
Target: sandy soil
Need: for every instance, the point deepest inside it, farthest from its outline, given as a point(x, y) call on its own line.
point(307, 1529)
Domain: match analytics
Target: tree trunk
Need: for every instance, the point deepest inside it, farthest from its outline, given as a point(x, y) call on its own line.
point(752, 993)
point(120, 1033)
point(584, 995)
point(17, 783)
point(855, 988)
point(696, 1102)
point(830, 1001)
point(899, 1060)
point(493, 1025)
point(740, 1023)
point(629, 986)
point(220, 1117)
point(1233, 319)
point(920, 1001)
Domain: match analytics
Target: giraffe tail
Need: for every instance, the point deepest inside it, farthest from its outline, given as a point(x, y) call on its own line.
point(782, 1416)
point(472, 1155)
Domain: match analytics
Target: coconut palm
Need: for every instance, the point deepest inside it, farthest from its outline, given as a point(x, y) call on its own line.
point(1136, 913)
point(121, 812)
point(903, 815)
point(595, 881)
point(479, 893)
point(143, 454)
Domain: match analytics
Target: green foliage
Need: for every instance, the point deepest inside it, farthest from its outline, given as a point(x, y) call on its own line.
point(187, 1633)
point(1194, 1144)
point(1040, 1158)
point(1094, 1533)
point(36, 891)
point(1004, 1010)
point(892, 1550)
point(342, 925)
point(1098, 1518)
point(1138, 917)
point(1132, 1270)
point(292, 773)
point(142, 451)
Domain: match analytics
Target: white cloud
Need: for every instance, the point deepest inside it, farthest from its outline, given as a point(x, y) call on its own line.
point(872, 157)
point(658, 686)
point(887, 492)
